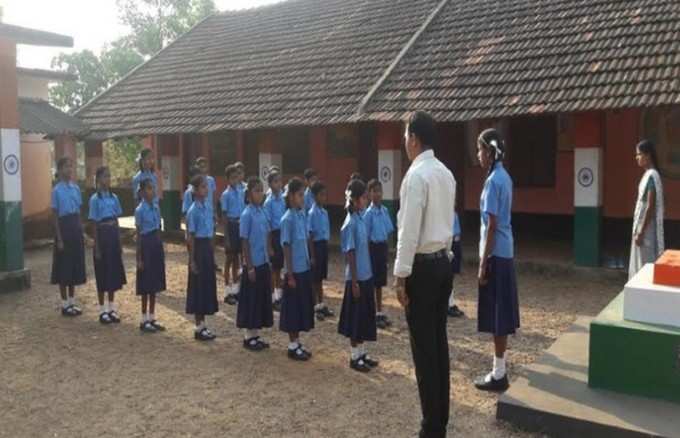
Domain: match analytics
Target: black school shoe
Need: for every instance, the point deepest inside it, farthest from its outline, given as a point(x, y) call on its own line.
point(492, 384)
point(382, 322)
point(71, 311)
point(299, 354)
point(372, 363)
point(204, 335)
point(231, 299)
point(105, 318)
point(147, 327)
point(359, 365)
point(276, 305)
point(157, 326)
point(255, 344)
point(320, 316)
point(114, 317)
point(327, 312)
point(455, 312)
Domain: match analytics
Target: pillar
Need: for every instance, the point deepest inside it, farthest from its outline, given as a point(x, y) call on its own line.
point(390, 140)
point(94, 158)
point(13, 276)
point(588, 189)
point(65, 146)
point(269, 155)
point(171, 204)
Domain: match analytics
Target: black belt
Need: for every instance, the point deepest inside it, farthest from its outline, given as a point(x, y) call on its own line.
point(108, 221)
point(442, 253)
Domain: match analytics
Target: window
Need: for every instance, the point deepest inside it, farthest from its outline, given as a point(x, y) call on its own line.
point(223, 151)
point(343, 141)
point(294, 144)
point(662, 126)
point(532, 150)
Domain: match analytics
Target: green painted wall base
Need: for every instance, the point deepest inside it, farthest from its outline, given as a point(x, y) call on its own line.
point(587, 236)
point(15, 280)
point(634, 358)
point(171, 210)
point(11, 237)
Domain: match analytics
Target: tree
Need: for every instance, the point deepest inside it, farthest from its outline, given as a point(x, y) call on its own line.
point(95, 73)
point(155, 23)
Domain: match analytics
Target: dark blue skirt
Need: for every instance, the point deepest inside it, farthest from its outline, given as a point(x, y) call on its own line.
point(457, 261)
point(202, 287)
point(297, 305)
point(68, 265)
point(357, 317)
point(498, 308)
point(232, 237)
point(378, 252)
point(151, 280)
point(109, 270)
point(277, 258)
point(320, 268)
point(255, 300)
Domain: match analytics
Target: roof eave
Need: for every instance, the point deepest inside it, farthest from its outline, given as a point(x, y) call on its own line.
point(34, 37)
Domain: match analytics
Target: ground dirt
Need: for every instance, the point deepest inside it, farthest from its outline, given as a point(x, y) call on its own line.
point(64, 377)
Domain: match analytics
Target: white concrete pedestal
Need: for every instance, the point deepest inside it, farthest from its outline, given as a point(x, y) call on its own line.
point(650, 303)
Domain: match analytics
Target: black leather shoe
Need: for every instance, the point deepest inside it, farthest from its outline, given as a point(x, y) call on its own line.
point(298, 354)
point(491, 384)
point(372, 363)
point(455, 312)
point(359, 365)
point(204, 335)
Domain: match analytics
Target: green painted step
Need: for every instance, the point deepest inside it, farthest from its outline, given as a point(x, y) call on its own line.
point(634, 358)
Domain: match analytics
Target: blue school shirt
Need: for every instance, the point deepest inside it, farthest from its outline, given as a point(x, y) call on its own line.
point(66, 198)
point(274, 207)
point(378, 223)
point(496, 199)
point(354, 237)
point(137, 180)
point(147, 217)
point(309, 199)
point(233, 202)
point(200, 220)
point(212, 188)
point(254, 226)
point(456, 226)
point(187, 199)
point(318, 223)
point(294, 233)
point(104, 205)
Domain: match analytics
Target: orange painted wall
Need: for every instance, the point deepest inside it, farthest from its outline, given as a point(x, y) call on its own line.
point(36, 171)
point(622, 175)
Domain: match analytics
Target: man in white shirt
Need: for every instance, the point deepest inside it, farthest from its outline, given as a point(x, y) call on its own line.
point(422, 268)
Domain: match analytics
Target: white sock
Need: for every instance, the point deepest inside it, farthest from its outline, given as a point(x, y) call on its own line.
point(362, 349)
point(452, 300)
point(498, 368)
point(250, 334)
point(200, 326)
point(355, 353)
point(64, 303)
point(152, 317)
point(144, 317)
point(380, 314)
point(102, 309)
point(278, 293)
point(71, 301)
point(293, 345)
point(319, 306)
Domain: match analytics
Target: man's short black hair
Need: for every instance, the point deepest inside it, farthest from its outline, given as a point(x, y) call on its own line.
point(423, 126)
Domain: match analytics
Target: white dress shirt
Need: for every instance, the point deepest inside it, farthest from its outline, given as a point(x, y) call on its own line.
point(425, 219)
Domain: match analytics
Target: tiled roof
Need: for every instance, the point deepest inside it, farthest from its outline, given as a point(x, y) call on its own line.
point(39, 117)
point(313, 62)
point(495, 58)
point(299, 62)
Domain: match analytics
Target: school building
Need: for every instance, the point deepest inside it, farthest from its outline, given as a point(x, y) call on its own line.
point(572, 84)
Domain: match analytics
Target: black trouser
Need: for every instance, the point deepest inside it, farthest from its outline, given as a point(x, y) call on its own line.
point(428, 290)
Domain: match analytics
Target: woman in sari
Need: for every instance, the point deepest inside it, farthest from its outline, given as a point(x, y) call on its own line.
point(648, 240)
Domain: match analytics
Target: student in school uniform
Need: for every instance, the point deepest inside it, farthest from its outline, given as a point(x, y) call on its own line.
point(297, 304)
point(498, 309)
point(379, 227)
point(145, 162)
point(456, 263)
point(202, 282)
point(150, 256)
point(275, 207)
point(255, 301)
point(357, 317)
point(201, 164)
point(104, 211)
point(320, 232)
point(188, 197)
point(310, 178)
point(232, 203)
point(68, 260)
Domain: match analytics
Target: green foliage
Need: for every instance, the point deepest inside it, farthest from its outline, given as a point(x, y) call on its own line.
point(155, 23)
point(119, 156)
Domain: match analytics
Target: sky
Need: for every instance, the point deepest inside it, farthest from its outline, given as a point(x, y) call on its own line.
point(91, 23)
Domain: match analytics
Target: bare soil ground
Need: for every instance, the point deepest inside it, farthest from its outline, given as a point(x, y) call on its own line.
point(64, 377)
